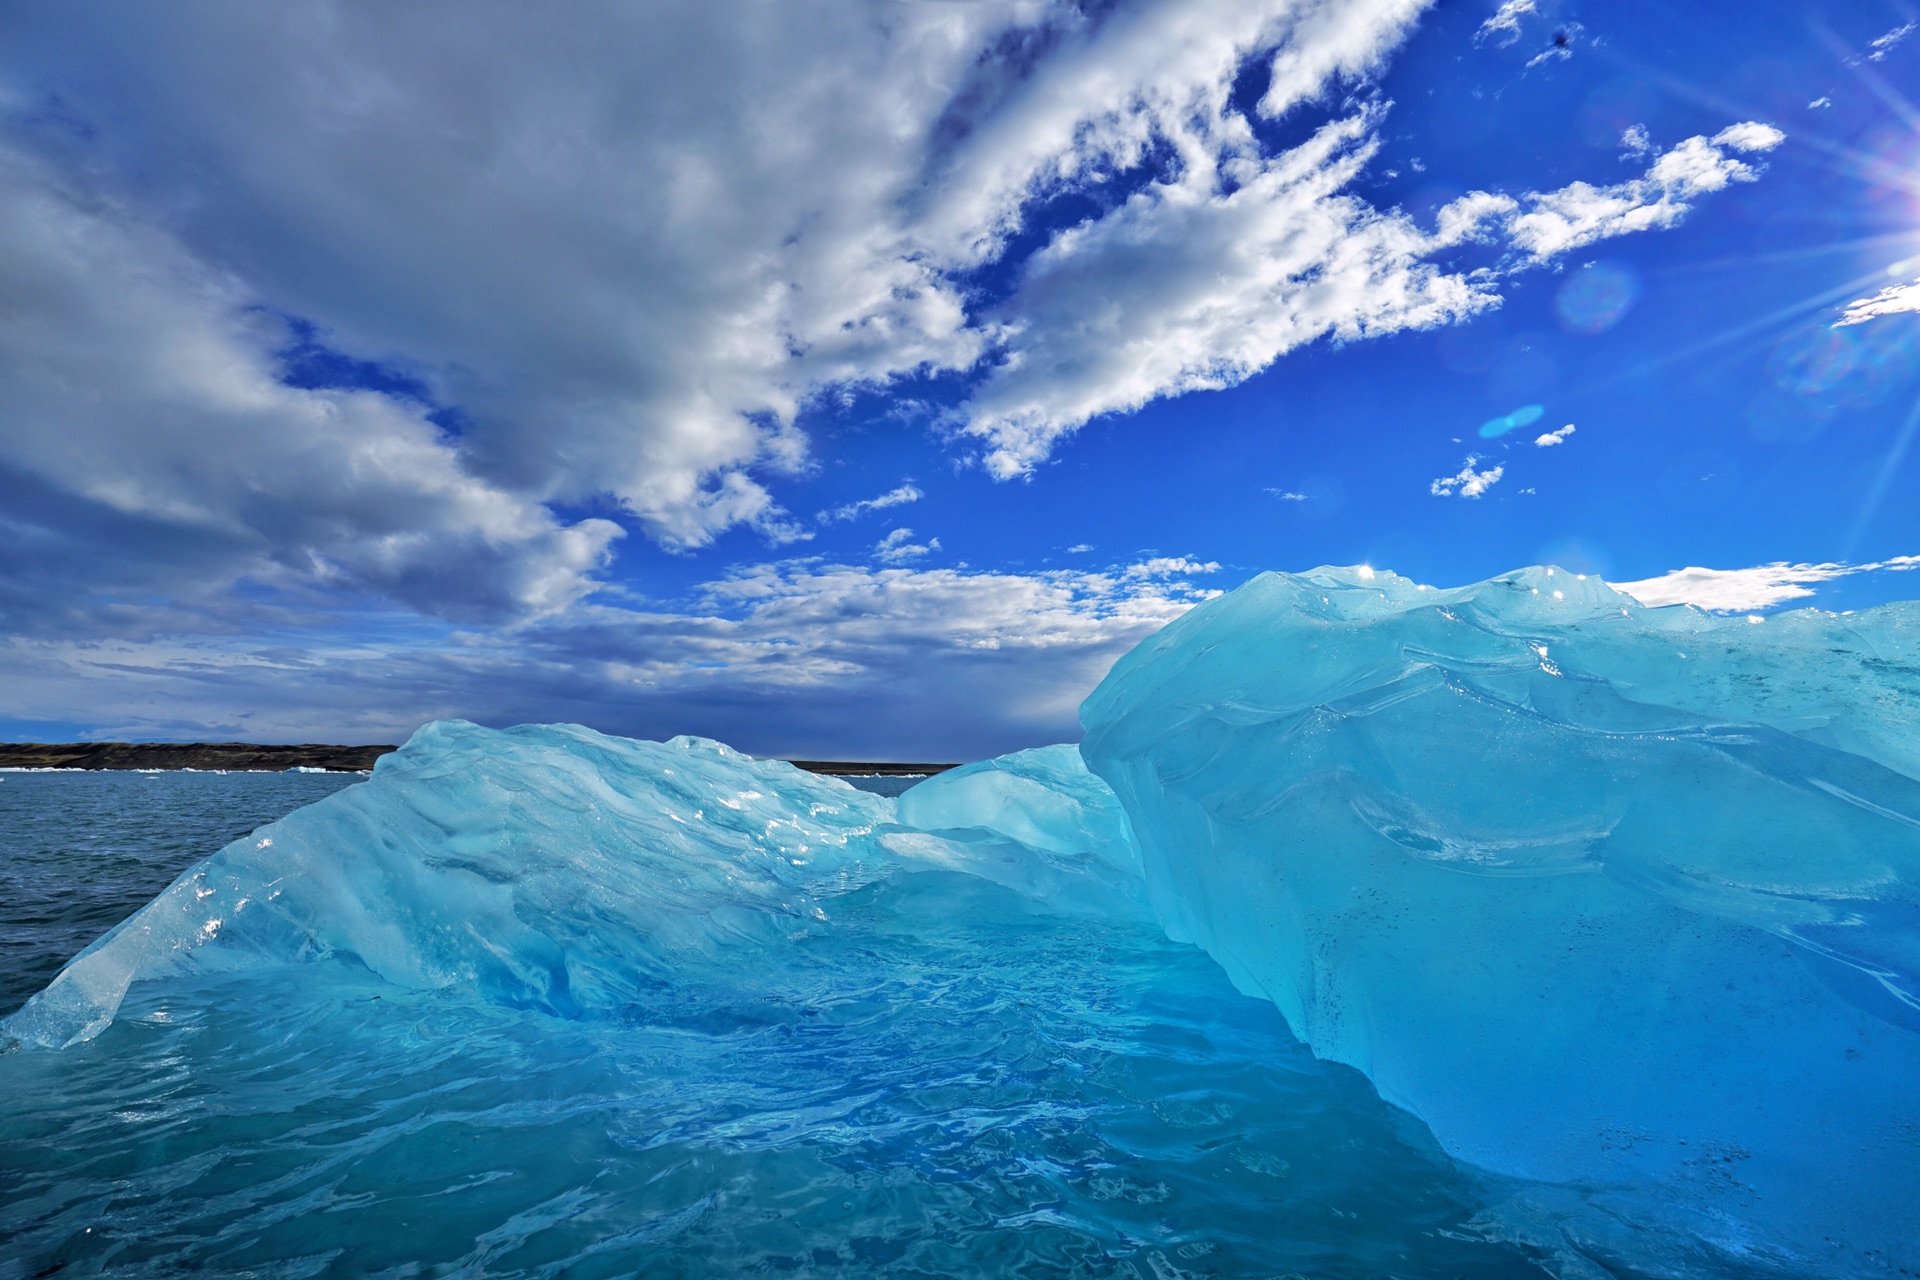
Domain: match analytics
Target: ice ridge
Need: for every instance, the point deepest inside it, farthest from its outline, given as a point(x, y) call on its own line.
point(1621, 902)
point(546, 867)
point(1609, 896)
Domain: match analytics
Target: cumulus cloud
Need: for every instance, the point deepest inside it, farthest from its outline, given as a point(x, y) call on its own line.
point(140, 397)
point(1170, 567)
point(631, 278)
point(898, 547)
point(1189, 286)
point(1199, 282)
point(608, 265)
point(1468, 483)
point(805, 658)
point(908, 492)
point(1743, 590)
point(1891, 301)
point(632, 275)
point(1547, 439)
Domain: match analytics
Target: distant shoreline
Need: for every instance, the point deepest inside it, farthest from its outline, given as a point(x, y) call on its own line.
point(239, 756)
point(869, 768)
point(189, 755)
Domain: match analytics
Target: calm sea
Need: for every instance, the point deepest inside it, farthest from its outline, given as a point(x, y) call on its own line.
point(80, 852)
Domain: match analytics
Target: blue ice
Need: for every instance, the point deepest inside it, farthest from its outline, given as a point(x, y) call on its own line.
point(1623, 904)
point(1618, 898)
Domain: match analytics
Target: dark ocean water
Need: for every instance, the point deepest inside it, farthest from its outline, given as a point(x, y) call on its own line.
point(82, 851)
point(949, 1082)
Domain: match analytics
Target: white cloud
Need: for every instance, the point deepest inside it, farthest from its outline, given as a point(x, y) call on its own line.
point(898, 547)
point(1185, 287)
point(1288, 495)
point(1580, 214)
point(1170, 567)
point(804, 658)
point(631, 248)
point(636, 273)
point(139, 391)
point(1079, 548)
point(1634, 141)
point(1190, 286)
point(908, 492)
point(1468, 483)
point(1503, 28)
point(1744, 590)
point(1890, 301)
point(1881, 46)
point(1820, 104)
point(1547, 439)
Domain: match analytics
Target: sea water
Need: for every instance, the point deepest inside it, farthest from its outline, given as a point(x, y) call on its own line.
point(951, 1079)
point(80, 851)
point(1600, 925)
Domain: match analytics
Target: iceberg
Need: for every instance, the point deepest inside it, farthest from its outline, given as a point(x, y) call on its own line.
point(1613, 898)
point(546, 867)
point(1035, 821)
point(540, 1002)
point(1618, 907)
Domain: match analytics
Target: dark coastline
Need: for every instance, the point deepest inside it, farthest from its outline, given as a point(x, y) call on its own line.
point(868, 768)
point(187, 755)
point(310, 755)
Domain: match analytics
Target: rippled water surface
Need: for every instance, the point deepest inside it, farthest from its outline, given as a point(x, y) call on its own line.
point(948, 1081)
point(82, 851)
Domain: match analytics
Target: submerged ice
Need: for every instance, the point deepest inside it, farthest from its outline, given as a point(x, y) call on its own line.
point(1623, 904)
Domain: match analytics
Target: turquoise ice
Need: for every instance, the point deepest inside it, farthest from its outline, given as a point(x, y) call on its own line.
point(1619, 905)
point(546, 867)
point(541, 1002)
point(1607, 896)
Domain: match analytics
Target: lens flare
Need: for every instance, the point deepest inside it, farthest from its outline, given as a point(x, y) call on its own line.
point(1526, 415)
point(1596, 297)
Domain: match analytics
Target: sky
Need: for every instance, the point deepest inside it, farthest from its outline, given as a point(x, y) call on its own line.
point(859, 379)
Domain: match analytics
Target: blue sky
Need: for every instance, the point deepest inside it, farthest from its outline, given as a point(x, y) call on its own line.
point(860, 382)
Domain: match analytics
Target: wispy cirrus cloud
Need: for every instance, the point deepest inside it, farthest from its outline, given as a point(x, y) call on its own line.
point(1503, 28)
point(896, 497)
point(1880, 46)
